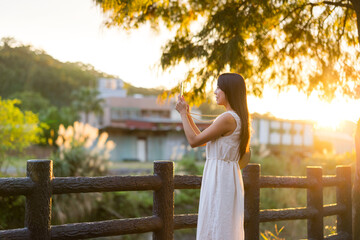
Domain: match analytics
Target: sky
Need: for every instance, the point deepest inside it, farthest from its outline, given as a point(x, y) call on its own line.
point(74, 31)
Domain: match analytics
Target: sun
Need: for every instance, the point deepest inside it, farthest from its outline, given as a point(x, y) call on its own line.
point(331, 123)
point(293, 105)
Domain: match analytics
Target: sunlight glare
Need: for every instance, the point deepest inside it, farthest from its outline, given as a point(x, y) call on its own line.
point(293, 105)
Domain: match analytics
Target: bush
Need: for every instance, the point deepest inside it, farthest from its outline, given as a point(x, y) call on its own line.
point(18, 129)
point(12, 212)
point(82, 152)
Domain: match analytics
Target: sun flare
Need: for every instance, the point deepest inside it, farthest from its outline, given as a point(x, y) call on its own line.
point(326, 122)
point(296, 106)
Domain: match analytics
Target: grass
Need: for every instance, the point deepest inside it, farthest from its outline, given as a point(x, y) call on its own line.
point(131, 165)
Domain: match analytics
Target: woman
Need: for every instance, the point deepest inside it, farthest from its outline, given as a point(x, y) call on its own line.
point(221, 207)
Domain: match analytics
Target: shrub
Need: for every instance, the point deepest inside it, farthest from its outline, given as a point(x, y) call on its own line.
point(82, 152)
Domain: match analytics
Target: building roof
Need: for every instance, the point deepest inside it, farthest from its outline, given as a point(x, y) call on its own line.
point(145, 103)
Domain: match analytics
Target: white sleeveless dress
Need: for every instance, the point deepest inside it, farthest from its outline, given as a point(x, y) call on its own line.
point(221, 206)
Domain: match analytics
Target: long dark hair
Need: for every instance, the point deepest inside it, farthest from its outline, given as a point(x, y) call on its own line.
point(233, 85)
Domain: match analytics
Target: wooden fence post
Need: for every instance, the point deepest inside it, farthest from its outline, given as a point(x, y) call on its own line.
point(164, 200)
point(38, 203)
point(315, 201)
point(343, 197)
point(252, 201)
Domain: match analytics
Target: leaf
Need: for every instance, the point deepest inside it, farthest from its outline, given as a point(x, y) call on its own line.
point(263, 236)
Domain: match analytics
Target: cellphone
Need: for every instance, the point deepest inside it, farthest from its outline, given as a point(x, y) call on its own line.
point(181, 89)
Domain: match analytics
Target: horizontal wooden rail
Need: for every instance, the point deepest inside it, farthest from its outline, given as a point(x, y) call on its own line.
point(194, 182)
point(285, 182)
point(106, 228)
point(16, 186)
point(14, 234)
point(270, 215)
point(332, 181)
point(182, 221)
point(187, 182)
point(338, 236)
point(333, 209)
point(63, 185)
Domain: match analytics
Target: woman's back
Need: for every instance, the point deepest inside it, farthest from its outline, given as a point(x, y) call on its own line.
point(221, 207)
point(227, 147)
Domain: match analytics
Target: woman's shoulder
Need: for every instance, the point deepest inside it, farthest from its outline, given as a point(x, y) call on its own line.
point(226, 115)
point(227, 118)
point(233, 113)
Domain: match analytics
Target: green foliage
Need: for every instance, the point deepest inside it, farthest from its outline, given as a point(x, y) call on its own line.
point(307, 44)
point(24, 69)
point(18, 129)
point(12, 212)
point(86, 100)
point(52, 117)
point(134, 204)
point(82, 152)
point(331, 229)
point(43, 83)
point(31, 101)
point(268, 235)
point(188, 165)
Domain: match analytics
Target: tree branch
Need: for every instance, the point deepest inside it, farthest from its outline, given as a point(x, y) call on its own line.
point(339, 4)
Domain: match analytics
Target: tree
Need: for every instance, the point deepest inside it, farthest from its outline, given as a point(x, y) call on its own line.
point(25, 69)
point(52, 117)
point(86, 100)
point(302, 43)
point(17, 129)
point(31, 101)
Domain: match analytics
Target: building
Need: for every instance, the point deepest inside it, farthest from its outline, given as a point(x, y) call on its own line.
point(341, 138)
point(282, 135)
point(145, 130)
point(142, 128)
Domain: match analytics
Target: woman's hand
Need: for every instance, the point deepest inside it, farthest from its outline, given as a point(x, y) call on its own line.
point(181, 106)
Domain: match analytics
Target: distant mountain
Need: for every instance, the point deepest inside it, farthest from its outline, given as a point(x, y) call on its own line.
point(132, 90)
point(25, 69)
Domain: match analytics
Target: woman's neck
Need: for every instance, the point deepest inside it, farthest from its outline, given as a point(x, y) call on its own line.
point(227, 106)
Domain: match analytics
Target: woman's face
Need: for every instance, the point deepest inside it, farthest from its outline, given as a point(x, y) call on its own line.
point(220, 96)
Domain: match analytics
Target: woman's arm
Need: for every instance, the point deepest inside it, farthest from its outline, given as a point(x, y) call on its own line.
point(194, 127)
point(192, 124)
point(222, 126)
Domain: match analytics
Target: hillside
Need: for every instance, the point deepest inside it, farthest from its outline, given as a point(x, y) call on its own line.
point(25, 69)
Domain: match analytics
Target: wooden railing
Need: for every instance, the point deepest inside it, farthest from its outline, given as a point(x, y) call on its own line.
point(40, 185)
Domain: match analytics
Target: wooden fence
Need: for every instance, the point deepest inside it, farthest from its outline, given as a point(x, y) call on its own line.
point(40, 185)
